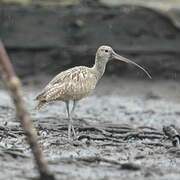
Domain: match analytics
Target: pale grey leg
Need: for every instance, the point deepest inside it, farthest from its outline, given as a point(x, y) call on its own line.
point(72, 113)
point(74, 106)
point(70, 125)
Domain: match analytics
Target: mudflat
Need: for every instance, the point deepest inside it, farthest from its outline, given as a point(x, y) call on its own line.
point(119, 129)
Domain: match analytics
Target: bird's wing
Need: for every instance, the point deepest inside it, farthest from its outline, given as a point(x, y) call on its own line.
point(65, 81)
point(64, 76)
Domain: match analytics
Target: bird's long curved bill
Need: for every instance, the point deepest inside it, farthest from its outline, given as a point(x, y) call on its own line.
point(121, 58)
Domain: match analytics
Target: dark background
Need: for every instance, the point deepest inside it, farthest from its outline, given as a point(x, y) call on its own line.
point(46, 37)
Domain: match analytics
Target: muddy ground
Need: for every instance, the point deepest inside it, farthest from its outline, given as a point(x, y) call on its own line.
point(119, 130)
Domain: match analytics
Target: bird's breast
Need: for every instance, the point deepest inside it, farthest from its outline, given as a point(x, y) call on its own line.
point(80, 86)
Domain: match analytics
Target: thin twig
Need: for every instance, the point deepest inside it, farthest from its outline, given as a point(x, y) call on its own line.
point(13, 85)
point(97, 159)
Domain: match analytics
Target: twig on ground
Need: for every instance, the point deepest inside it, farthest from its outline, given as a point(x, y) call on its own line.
point(98, 138)
point(98, 159)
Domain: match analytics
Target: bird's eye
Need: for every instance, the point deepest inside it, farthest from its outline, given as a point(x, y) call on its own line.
point(106, 50)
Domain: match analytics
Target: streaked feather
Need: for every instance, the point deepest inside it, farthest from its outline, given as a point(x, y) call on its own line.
point(41, 104)
point(72, 84)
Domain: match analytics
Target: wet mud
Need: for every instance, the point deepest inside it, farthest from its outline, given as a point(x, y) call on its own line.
point(119, 133)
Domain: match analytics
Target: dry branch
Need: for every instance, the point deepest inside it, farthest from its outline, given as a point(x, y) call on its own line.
point(13, 85)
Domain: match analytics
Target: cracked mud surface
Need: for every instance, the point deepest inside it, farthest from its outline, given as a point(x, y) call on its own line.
point(119, 130)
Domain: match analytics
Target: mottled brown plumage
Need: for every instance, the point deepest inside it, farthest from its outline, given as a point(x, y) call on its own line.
point(78, 82)
point(72, 84)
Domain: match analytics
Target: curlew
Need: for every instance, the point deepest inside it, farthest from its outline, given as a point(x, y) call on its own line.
point(78, 82)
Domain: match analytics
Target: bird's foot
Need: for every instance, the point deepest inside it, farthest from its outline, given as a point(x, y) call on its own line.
point(71, 128)
point(74, 133)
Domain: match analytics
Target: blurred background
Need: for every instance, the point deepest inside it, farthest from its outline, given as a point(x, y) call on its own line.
point(45, 37)
point(48, 36)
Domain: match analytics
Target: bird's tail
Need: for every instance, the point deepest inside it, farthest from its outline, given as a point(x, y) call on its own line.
point(41, 104)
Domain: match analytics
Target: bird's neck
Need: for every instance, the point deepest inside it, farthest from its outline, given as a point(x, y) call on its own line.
point(99, 67)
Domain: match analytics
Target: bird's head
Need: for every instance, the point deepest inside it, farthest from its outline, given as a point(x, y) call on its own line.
point(106, 53)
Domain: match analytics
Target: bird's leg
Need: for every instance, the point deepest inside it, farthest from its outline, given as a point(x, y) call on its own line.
point(72, 113)
point(70, 125)
point(69, 117)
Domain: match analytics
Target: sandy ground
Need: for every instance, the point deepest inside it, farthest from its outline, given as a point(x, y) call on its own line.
point(116, 104)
